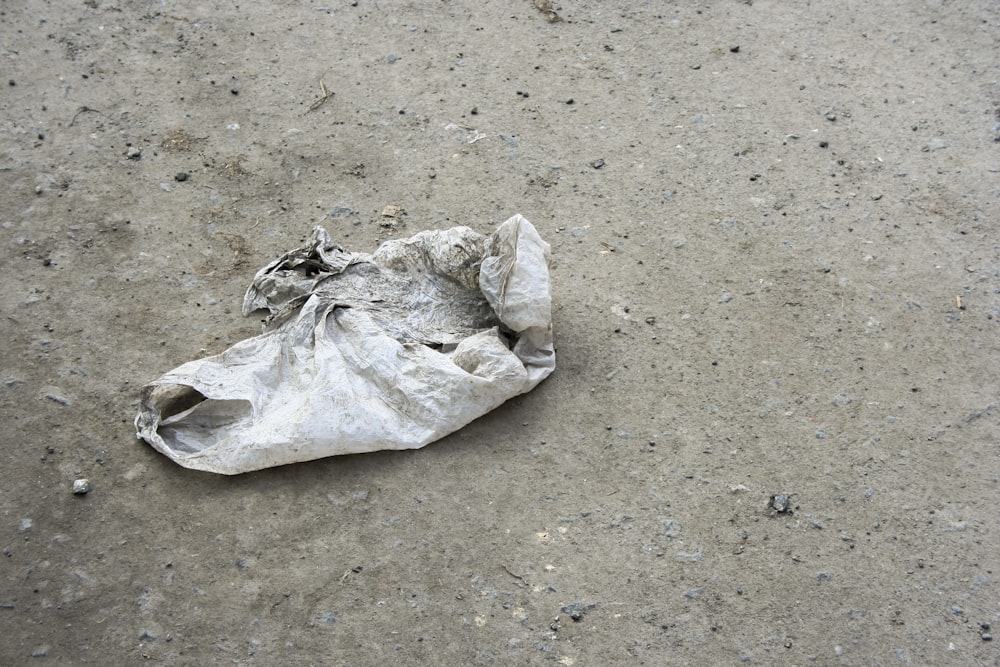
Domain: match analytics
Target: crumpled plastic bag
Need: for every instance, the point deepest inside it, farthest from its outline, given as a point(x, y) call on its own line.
point(361, 352)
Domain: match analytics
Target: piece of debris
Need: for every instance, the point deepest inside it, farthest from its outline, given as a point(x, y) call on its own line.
point(81, 486)
point(325, 94)
point(936, 144)
point(546, 8)
point(392, 215)
point(390, 350)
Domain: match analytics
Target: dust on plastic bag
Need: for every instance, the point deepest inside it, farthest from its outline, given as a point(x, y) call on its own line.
point(361, 352)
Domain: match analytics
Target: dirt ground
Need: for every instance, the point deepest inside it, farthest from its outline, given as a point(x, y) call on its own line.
point(775, 273)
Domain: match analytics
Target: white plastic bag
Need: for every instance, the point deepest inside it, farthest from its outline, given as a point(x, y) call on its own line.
point(391, 350)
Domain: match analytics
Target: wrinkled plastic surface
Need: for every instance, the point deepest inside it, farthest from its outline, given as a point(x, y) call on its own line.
point(361, 352)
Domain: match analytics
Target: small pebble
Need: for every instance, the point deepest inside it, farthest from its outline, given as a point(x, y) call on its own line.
point(81, 486)
point(577, 610)
point(735, 48)
point(133, 153)
point(181, 176)
point(780, 503)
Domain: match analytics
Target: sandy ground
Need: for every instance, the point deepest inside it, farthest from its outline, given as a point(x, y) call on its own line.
point(775, 269)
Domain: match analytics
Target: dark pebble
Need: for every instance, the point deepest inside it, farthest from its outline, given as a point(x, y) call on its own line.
point(234, 91)
point(734, 48)
point(824, 144)
point(181, 176)
point(474, 111)
point(577, 610)
point(570, 101)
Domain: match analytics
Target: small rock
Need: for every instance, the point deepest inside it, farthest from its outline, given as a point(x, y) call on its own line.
point(81, 486)
point(25, 525)
point(57, 398)
point(735, 48)
point(181, 176)
point(597, 164)
point(133, 153)
point(831, 114)
point(391, 58)
point(40, 651)
point(577, 610)
point(341, 211)
point(781, 504)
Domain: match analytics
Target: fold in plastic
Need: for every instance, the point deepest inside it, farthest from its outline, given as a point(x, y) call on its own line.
point(361, 352)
